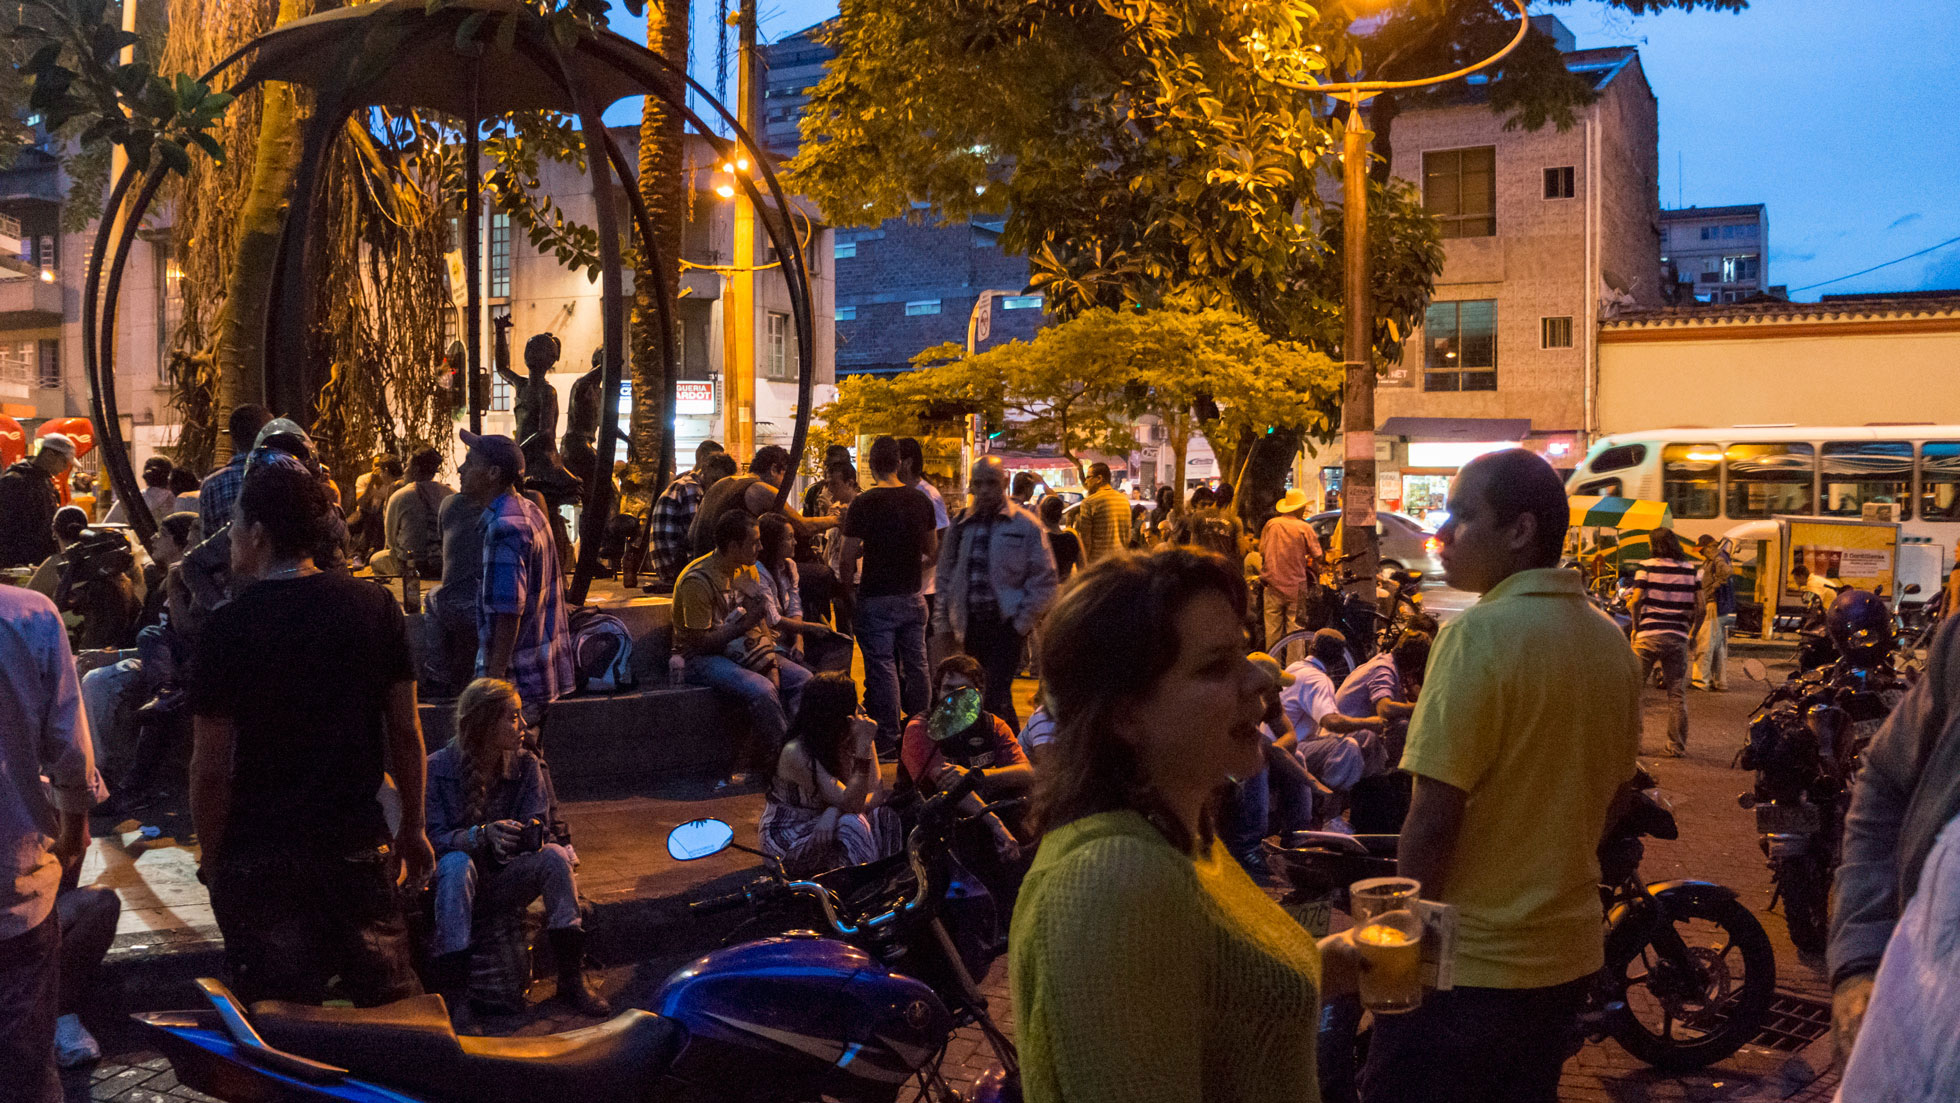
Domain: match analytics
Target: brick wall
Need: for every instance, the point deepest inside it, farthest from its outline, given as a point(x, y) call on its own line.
point(913, 261)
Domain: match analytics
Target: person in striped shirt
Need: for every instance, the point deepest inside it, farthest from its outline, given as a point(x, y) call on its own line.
point(1664, 610)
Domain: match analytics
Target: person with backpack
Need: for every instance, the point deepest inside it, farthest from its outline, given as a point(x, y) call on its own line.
point(413, 530)
point(28, 500)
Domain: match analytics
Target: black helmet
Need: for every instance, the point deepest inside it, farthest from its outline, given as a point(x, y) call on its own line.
point(1860, 625)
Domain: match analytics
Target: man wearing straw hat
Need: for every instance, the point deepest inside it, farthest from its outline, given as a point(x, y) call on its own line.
point(1290, 556)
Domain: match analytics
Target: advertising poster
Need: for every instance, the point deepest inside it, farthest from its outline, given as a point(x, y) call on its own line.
point(1845, 553)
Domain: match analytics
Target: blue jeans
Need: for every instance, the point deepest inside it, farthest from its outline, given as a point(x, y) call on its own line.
point(110, 701)
point(461, 883)
point(1269, 802)
point(892, 631)
point(769, 710)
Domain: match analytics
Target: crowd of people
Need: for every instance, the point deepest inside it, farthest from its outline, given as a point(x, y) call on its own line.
point(1146, 958)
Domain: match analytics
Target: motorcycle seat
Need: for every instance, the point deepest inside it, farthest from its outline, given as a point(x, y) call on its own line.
point(409, 1045)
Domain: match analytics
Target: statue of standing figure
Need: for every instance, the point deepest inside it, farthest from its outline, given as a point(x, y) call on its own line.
point(582, 420)
point(536, 411)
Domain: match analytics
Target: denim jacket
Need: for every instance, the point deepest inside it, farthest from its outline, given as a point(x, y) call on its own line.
point(519, 796)
point(1018, 563)
point(1907, 788)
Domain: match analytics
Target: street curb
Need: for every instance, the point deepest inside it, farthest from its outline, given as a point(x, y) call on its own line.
point(156, 971)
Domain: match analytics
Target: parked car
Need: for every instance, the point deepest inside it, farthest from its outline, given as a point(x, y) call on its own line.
point(1405, 541)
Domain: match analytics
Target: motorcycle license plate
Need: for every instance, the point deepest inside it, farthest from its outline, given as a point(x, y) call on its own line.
point(1786, 819)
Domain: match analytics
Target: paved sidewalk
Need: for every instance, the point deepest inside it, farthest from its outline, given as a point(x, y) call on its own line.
point(645, 933)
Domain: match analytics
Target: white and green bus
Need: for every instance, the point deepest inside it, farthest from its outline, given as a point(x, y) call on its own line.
point(1715, 479)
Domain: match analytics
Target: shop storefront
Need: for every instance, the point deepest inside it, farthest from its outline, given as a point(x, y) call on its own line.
point(1417, 459)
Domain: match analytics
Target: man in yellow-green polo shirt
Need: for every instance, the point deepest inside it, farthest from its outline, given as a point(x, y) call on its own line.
point(1528, 725)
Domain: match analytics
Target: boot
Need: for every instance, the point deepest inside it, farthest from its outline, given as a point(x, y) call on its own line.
point(449, 977)
point(574, 987)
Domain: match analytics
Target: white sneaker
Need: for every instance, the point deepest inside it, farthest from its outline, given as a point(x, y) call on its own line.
point(74, 1046)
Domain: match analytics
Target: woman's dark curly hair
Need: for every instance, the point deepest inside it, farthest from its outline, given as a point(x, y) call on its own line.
point(1104, 645)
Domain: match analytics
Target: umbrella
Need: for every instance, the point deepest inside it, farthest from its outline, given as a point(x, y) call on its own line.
point(1620, 513)
point(400, 53)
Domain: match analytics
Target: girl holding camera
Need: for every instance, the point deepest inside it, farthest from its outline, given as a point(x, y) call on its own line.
point(487, 804)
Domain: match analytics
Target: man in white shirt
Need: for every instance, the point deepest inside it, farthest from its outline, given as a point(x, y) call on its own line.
point(43, 831)
point(1331, 745)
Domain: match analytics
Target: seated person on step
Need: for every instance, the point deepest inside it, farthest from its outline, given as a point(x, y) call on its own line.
point(826, 805)
point(487, 804)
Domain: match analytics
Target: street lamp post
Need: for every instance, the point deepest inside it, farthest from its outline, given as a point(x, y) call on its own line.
point(1358, 490)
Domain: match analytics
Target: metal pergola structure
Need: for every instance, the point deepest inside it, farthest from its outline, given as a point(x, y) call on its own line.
point(401, 54)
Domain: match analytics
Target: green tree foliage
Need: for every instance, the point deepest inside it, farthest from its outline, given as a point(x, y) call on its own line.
point(1079, 386)
point(1138, 153)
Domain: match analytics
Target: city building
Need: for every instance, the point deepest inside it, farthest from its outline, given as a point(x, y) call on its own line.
point(1849, 360)
point(42, 273)
point(1545, 233)
point(1719, 254)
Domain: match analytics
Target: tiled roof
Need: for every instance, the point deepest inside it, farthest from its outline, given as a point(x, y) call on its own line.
point(1776, 310)
point(1743, 210)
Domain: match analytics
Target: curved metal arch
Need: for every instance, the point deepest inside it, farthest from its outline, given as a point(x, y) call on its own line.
point(99, 349)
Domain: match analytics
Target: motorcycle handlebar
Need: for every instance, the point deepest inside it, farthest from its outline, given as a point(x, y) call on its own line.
point(742, 899)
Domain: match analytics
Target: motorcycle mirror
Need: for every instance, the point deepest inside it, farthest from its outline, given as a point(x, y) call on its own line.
point(1912, 587)
point(699, 839)
point(1755, 669)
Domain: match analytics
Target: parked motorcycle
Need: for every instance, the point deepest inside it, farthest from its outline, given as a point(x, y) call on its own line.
point(778, 1020)
point(1689, 971)
point(1805, 743)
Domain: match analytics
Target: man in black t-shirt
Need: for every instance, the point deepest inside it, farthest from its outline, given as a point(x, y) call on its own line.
point(891, 527)
point(303, 696)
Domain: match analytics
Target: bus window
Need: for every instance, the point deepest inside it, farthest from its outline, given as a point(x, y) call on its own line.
point(1691, 479)
point(1768, 479)
point(1860, 471)
point(1604, 488)
point(1939, 480)
point(1613, 459)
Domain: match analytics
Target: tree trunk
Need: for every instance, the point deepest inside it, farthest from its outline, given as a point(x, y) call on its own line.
point(1263, 481)
point(1381, 121)
point(663, 185)
point(261, 218)
point(1178, 429)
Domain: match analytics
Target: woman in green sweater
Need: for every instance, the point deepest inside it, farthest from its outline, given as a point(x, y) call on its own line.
point(1146, 965)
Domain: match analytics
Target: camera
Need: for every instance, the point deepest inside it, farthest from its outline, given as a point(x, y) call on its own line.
point(531, 839)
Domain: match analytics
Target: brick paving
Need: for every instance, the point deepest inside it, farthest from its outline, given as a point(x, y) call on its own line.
point(619, 842)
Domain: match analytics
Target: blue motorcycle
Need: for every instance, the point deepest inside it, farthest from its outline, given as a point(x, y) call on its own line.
point(854, 1015)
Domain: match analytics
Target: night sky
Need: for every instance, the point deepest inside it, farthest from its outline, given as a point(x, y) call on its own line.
point(1839, 114)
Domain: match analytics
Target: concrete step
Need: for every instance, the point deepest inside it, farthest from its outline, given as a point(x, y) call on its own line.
point(602, 745)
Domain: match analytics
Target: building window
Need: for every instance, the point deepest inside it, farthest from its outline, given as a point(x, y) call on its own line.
point(1770, 479)
point(1020, 302)
point(779, 359)
point(844, 250)
point(501, 395)
point(1708, 233)
point(49, 364)
point(500, 256)
point(847, 313)
point(1939, 480)
point(1691, 479)
point(1559, 183)
point(1460, 346)
point(1856, 472)
point(1738, 269)
point(1459, 187)
point(1556, 333)
point(170, 305)
point(921, 306)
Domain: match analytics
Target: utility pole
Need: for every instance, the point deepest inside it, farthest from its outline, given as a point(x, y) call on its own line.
point(1358, 353)
point(738, 294)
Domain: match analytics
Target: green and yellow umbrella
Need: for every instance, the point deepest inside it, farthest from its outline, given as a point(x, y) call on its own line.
point(1639, 514)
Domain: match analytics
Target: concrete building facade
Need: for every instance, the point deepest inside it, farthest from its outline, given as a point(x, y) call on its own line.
point(1721, 253)
point(1545, 233)
point(1852, 360)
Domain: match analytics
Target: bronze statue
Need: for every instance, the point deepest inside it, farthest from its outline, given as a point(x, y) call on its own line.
point(582, 419)
point(536, 411)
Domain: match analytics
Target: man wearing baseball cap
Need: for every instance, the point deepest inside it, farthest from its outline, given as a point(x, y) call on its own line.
point(522, 626)
point(1289, 556)
point(28, 499)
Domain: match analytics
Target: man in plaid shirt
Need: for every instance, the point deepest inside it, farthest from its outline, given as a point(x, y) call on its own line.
point(673, 512)
point(522, 627)
point(220, 488)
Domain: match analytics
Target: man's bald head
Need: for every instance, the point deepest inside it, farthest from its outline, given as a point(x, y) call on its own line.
point(987, 482)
